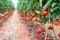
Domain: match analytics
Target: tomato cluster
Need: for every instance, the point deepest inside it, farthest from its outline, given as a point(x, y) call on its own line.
point(34, 23)
point(6, 14)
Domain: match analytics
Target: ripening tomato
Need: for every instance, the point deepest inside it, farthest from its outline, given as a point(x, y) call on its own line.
point(37, 12)
point(32, 15)
point(51, 27)
point(44, 13)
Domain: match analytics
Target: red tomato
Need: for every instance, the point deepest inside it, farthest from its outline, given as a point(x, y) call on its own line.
point(43, 29)
point(32, 15)
point(51, 27)
point(47, 38)
point(59, 35)
point(39, 30)
point(37, 20)
point(44, 13)
point(28, 19)
point(42, 36)
point(37, 36)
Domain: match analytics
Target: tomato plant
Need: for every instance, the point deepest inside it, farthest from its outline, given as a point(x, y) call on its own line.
point(39, 13)
point(35, 14)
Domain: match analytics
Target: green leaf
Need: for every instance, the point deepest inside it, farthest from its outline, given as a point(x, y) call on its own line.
point(53, 15)
point(53, 5)
point(58, 16)
point(48, 3)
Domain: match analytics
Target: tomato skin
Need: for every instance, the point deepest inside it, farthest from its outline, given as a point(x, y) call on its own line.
point(37, 20)
point(59, 35)
point(28, 19)
point(36, 36)
point(40, 30)
point(37, 12)
point(42, 36)
point(51, 27)
point(44, 13)
point(47, 38)
point(32, 15)
point(43, 29)
point(46, 9)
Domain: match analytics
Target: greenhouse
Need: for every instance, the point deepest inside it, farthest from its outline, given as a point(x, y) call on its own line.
point(29, 19)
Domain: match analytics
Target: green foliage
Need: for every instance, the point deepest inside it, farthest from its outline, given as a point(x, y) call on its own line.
point(54, 6)
point(32, 5)
point(22, 5)
point(6, 5)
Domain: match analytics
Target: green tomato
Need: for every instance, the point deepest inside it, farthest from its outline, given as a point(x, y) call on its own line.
point(37, 12)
